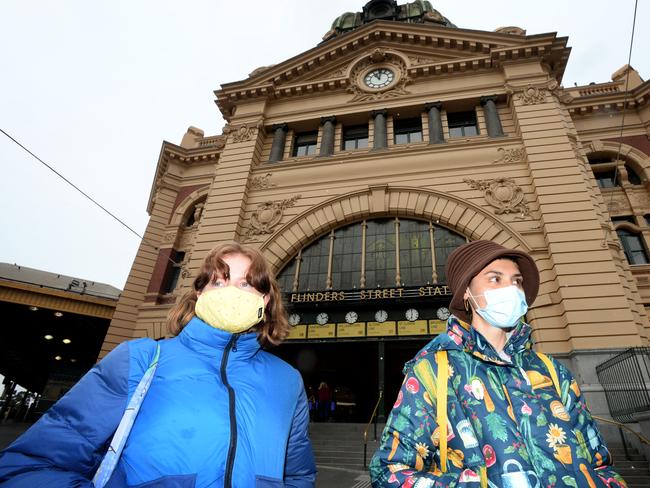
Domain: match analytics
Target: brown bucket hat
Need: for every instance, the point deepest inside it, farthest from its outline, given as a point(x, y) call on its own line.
point(468, 260)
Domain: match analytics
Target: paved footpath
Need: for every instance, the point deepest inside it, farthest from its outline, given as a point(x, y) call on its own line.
point(333, 477)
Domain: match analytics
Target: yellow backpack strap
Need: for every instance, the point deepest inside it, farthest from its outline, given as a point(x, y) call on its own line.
point(441, 405)
point(551, 369)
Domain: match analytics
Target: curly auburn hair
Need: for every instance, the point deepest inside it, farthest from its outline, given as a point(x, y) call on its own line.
point(275, 327)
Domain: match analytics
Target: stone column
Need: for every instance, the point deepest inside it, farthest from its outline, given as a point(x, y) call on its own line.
point(380, 137)
point(436, 135)
point(492, 120)
point(279, 138)
point(327, 140)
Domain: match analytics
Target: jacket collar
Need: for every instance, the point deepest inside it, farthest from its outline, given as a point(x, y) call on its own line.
point(205, 339)
point(463, 337)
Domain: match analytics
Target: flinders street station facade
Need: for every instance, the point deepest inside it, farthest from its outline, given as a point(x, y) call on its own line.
point(357, 166)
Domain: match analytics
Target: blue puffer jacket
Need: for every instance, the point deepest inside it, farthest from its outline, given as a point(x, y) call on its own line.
point(220, 412)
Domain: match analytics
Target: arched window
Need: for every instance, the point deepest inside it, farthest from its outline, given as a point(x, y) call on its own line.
point(194, 215)
point(632, 176)
point(633, 246)
point(604, 169)
point(370, 254)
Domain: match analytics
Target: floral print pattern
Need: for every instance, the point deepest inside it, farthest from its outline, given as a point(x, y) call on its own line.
point(506, 424)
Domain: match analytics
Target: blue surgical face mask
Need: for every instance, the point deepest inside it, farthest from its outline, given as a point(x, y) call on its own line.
point(505, 306)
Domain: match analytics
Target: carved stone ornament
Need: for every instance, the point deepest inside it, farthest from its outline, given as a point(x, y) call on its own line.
point(511, 155)
point(339, 73)
point(241, 133)
point(376, 60)
point(532, 95)
point(420, 60)
point(501, 193)
point(512, 30)
point(640, 199)
point(262, 182)
point(558, 91)
point(169, 238)
point(267, 215)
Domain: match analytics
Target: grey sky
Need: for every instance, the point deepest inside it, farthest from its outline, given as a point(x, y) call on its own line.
point(94, 87)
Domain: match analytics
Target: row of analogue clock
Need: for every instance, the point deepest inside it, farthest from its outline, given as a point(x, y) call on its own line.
point(380, 316)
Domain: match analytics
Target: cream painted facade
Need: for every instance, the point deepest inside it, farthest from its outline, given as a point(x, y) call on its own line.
point(532, 188)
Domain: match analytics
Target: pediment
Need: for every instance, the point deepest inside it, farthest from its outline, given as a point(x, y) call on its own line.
point(418, 49)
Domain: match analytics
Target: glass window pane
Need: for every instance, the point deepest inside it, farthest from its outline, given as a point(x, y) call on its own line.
point(632, 175)
point(470, 130)
point(633, 247)
point(313, 267)
point(455, 132)
point(445, 241)
point(286, 276)
point(414, 252)
point(401, 138)
point(416, 137)
point(346, 260)
point(381, 266)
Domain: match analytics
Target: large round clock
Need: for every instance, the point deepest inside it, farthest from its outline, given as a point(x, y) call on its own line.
point(412, 314)
point(381, 315)
point(379, 78)
point(322, 318)
point(351, 317)
point(442, 313)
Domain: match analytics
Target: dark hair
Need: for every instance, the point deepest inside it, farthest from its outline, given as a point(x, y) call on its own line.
point(275, 327)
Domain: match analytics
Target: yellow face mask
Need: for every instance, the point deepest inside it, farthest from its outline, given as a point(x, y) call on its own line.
point(230, 308)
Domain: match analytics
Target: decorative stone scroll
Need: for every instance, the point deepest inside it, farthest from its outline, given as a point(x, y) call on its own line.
point(169, 238)
point(501, 193)
point(419, 60)
point(532, 95)
point(511, 155)
point(267, 215)
point(262, 182)
point(339, 73)
point(558, 91)
point(241, 133)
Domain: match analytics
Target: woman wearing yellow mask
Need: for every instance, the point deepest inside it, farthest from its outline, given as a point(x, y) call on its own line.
point(213, 408)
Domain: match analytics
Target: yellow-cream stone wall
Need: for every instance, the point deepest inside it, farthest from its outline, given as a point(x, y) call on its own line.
point(588, 297)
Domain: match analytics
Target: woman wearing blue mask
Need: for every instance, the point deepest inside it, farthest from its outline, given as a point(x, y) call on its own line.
point(478, 407)
point(207, 408)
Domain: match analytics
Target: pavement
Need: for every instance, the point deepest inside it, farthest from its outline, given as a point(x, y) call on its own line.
point(328, 476)
point(335, 477)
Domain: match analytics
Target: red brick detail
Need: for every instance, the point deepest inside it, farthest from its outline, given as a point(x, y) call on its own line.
point(159, 274)
point(183, 193)
point(642, 143)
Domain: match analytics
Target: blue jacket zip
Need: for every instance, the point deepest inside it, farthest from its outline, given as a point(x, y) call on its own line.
point(232, 447)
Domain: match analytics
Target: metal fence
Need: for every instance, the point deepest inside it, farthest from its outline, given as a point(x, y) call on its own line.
point(626, 380)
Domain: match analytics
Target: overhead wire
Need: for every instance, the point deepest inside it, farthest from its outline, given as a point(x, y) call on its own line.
point(625, 95)
point(86, 195)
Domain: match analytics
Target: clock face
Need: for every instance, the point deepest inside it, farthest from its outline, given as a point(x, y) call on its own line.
point(294, 319)
point(322, 318)
point(442, 313)
point(412, 314)
point(381, 315)
point(379, 78)
point(351, 317)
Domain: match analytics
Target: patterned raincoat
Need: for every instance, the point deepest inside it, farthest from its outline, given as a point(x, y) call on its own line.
point(507, 426)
